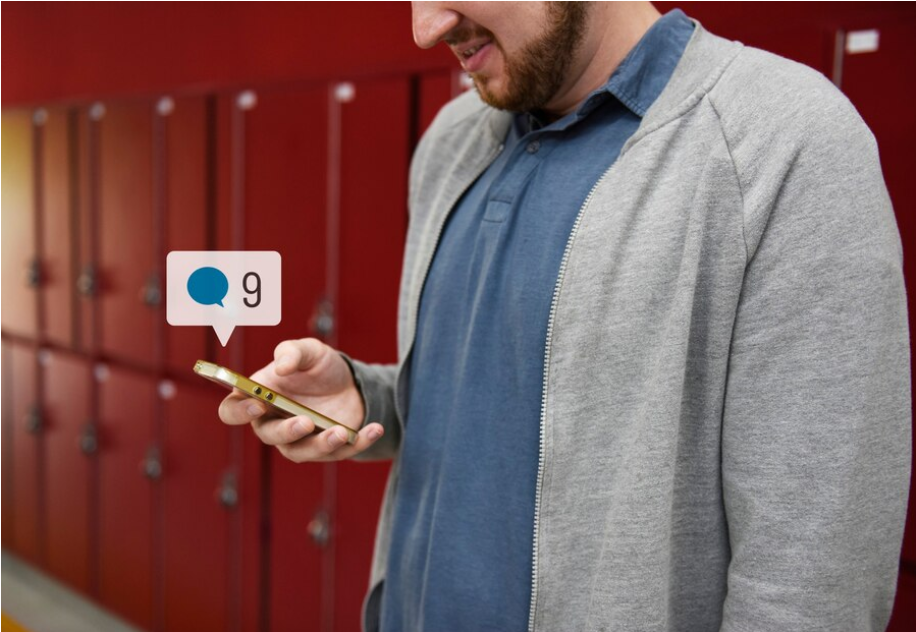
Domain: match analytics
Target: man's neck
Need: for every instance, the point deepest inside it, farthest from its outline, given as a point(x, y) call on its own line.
point(614, 29)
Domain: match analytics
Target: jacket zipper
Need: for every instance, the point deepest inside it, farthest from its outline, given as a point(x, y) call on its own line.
point(439, 230)
point(550, 321)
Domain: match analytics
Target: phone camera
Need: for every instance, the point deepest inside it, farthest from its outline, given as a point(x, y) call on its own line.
point(257, 390)
point(270, 396)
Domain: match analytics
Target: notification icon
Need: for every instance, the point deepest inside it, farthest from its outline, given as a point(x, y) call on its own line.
point(222, 289)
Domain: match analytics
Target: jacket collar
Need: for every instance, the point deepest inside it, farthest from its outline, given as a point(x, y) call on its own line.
point(703, 62)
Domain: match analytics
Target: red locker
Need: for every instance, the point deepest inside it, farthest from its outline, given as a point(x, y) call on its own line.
point(21, 274)
point(130, 291)
point(200, 510)
point(251, 595)
point(373, 190)
point(284, 187)
point(70, 444)
point(299, 536)
point(130, 465)
point(27, 518)
point(281, 175)
point(58, 229)
point(186, 185)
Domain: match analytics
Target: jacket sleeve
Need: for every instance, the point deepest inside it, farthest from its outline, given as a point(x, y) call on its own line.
point(376, 384)
point(816, 436)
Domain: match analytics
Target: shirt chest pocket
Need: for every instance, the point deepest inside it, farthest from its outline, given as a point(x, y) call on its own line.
point(497, 211)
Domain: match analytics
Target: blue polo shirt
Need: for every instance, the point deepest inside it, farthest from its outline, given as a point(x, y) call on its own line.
point(461, 550)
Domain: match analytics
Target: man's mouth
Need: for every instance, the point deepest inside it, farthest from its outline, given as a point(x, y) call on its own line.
point(470, 52)
point(472, 56)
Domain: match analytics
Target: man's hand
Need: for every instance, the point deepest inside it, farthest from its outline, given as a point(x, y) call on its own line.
point(315, 375)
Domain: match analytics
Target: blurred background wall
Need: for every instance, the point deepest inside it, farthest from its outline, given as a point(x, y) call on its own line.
point(133, 129)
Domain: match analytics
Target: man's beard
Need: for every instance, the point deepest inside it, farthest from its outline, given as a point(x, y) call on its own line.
point(535, 75)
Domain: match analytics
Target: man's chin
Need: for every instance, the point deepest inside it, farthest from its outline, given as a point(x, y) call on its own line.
point(492, 96)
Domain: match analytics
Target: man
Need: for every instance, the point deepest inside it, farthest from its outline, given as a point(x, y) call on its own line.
point(654, 366)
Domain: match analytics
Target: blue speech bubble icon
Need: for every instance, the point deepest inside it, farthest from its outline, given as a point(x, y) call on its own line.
point(208, 286)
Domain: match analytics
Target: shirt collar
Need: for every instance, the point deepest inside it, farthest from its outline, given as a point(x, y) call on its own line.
point(641, 76)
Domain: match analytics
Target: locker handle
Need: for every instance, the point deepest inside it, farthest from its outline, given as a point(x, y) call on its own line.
point(151, 294)
point(152, 464)
point(322, 322)
point(33, 274)
point(33, 420)
point(228, 494)
point(87, 283)
point(320, 529)
point(89, 439)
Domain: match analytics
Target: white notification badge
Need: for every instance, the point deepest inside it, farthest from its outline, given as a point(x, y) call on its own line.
point(222, 289)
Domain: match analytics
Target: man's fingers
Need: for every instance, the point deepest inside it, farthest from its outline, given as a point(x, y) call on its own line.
point(237, 409)
point(283, 431)
point(297, 355)
point(331, 445)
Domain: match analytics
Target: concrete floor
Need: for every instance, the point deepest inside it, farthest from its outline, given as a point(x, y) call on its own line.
point(40, 603)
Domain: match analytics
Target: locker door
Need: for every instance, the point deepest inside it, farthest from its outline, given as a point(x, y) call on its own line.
point(20, 272)
point(199, 510)
point(373, 183)
point(69, 466)
point(129, 467)
point(58, 228)
point(284, 184)
point(880, 85)
point(8, 429)
point(127, 231)
point(187, 193)
point(26, 519)
point(250, 598)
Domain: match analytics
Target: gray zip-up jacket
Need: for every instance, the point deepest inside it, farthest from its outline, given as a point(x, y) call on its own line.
point(725, 426)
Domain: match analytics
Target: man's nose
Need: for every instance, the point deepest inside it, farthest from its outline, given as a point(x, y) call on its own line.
point(432, 21)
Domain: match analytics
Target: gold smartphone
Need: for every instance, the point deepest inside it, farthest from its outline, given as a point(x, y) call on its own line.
point(281, 404)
